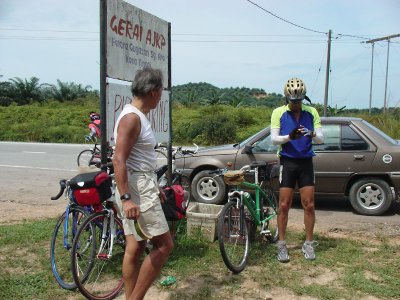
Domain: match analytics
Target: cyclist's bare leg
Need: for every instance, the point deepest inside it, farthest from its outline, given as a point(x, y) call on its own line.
point(131, 263)
point(307, 201)
point(285, 202)
point(152, 264)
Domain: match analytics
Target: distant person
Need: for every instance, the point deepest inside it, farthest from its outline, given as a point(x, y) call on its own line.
point(94, 126)
point(140, 201)
point(294, 126)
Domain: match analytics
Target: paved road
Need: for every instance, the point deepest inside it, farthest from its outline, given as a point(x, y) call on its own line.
point(31, 171)
point(29, 175)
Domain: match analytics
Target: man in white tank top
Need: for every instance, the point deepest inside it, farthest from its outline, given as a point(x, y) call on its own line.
point(139, 196)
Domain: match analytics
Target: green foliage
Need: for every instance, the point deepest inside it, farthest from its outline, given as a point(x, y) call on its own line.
point(210, 125)
point(334, 111)
point(201, 112)
point(47, 122)
point(24, 92)
point(67, 91)
point(207, 94)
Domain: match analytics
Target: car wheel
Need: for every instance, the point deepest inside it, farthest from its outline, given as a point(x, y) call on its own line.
point(371, 196)
point(208, 188)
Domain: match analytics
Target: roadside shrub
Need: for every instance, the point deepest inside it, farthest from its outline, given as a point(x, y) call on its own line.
point(215, 129)
point(5, 101)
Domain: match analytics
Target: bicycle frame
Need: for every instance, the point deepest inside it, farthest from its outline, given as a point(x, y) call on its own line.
point(253, 205)
point(110, 216)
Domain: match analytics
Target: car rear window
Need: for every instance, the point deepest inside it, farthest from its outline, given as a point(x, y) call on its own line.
point(351, 140)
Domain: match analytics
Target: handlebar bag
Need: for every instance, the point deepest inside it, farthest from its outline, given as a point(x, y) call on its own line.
point(174, 206)
point(233, 177)
point(91, 188)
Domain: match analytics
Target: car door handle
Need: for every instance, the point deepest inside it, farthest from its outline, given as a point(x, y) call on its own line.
point(359, 157)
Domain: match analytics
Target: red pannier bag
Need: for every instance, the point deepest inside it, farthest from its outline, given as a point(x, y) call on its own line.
point(174, 206)
point(91, 188)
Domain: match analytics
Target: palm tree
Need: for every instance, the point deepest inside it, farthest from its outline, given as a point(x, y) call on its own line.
point(26, 91)
point(68, 91)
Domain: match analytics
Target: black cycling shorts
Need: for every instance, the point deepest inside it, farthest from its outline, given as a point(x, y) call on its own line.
point(292, 171)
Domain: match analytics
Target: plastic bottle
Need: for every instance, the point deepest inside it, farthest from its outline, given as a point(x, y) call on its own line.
point(168, 280)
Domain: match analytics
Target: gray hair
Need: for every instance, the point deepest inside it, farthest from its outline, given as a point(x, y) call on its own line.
point(146, 80)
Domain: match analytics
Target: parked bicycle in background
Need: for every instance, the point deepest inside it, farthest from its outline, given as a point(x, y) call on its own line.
point(177, 176)
point(85, 193)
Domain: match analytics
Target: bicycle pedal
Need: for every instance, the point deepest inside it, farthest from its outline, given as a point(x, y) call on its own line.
point(266, 232)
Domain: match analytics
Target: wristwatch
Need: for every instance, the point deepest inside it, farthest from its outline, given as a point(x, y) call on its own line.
point(125, 197)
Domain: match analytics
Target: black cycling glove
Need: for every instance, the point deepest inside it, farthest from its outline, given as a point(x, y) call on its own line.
point(295, 134)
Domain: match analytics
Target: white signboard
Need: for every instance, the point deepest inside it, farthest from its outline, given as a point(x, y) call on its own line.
point(135, 39)
point(118, 95)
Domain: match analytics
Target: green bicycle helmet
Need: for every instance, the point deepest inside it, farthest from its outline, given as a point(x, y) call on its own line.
point(295, 89)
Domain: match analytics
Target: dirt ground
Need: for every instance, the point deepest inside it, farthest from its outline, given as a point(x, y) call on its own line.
point(336, 220)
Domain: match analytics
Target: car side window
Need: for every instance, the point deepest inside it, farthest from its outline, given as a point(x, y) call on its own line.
point(351, 140)
point(331, 138)
point(264, 145)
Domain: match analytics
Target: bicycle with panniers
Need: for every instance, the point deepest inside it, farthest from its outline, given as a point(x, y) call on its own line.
point(250, 205)
point(83, 200)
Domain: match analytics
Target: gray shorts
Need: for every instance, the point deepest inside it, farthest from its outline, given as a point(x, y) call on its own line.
point(143, 188)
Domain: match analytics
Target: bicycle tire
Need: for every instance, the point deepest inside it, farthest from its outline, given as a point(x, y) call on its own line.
point(98, 276)
point(234, 244)
point(60, 253)
point(85, 158)
point(270, 207)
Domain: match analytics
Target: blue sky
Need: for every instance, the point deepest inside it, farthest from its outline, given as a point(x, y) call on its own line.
point(228, 43)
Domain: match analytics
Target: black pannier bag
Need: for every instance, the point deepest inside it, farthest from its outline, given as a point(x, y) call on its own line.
point(91, 188)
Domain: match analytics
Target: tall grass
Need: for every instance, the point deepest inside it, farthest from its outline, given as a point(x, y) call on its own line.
point(67, 122)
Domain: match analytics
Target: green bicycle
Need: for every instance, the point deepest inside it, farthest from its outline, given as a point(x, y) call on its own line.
point(249, 205)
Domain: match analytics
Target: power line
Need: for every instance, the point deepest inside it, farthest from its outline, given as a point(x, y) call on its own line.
point(284, 20)
point(49, 38)
point(357, 37)
point(46, 30)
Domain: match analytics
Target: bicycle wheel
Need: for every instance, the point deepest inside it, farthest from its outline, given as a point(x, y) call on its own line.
point(270, 208)
point(61, 244)
point(233, 237)
point(96, 262)
point(85, 158)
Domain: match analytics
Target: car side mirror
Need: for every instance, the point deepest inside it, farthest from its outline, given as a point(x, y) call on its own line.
point(248, 149)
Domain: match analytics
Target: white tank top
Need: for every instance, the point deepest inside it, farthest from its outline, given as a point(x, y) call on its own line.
point(142, 156)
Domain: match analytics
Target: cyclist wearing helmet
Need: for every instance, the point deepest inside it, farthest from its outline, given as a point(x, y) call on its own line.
point(94, 126)
point(294, 127)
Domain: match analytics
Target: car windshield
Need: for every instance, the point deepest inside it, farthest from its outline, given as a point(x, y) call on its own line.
point(242, 144)
point(388, 138)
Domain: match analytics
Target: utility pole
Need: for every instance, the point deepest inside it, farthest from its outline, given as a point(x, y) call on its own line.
point(328, 68)
point(372, 72)
point(386, 38)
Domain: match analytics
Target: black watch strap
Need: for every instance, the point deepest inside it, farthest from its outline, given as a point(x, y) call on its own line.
point(125, 197)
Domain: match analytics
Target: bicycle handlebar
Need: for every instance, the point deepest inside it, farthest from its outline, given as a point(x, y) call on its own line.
point(178, 149)
point(63, 185)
